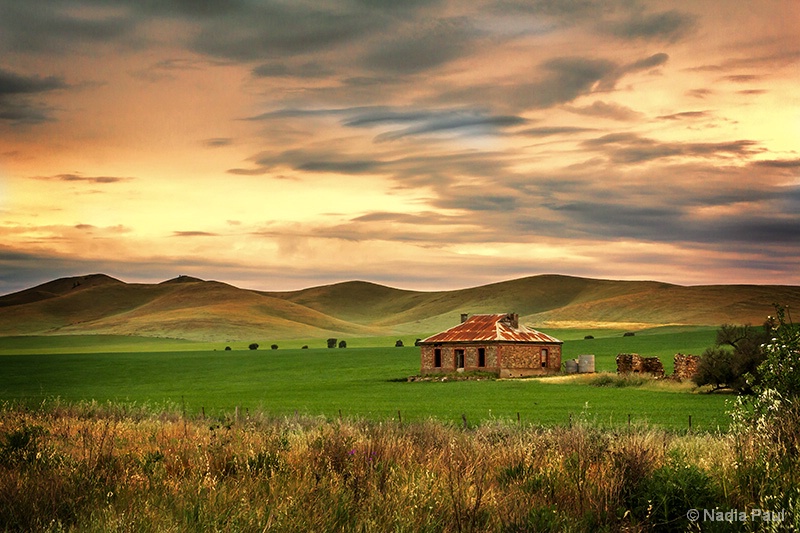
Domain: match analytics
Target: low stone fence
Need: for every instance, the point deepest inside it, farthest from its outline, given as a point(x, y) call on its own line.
point(633, 363)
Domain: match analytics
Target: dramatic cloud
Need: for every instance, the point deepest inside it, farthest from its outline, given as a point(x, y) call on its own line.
point(423, 48)
point(16, 93)
point(607, 110)
point(628, 148)
point(261, 30)
point(41, 26)
point(663, 26)
point(282, 144)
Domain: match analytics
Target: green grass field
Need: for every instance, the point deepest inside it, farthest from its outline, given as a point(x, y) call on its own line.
point(358, 381)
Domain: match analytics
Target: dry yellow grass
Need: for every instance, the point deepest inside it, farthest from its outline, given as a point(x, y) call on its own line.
point(112, 468)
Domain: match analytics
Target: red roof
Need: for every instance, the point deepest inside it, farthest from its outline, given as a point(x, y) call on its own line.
point(490, 328)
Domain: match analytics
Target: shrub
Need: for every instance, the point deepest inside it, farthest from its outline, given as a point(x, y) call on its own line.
point(629, 334)
point(305, 347)
point(342, 344)
point(664, 497)
point(274, 347)
point(253, 346)
point(767, 424)
point(227, 348)
point(398, 344)
point(21, 446)
point(331, 343)
point(619, 380)
point(588, 337)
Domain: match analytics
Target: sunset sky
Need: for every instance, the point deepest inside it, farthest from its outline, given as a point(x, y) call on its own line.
point(422, 144)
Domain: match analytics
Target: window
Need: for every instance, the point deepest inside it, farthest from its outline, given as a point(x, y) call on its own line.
point(481, 357)
point(459, 356)
point(544, 357)
point(437, 357)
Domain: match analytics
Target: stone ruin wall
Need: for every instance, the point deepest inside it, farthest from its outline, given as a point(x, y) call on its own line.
point(633, 363)
point(685, 366)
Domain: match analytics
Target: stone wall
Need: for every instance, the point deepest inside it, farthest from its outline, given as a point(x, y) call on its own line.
point(633, 363)
point(509, 360)
point(685, 366)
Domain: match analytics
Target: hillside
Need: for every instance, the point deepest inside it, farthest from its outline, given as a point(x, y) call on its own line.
point(194, 309)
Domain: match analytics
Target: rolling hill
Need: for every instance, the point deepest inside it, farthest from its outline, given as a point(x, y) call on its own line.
point(190, 308)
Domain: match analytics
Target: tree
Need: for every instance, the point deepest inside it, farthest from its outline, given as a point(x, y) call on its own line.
point(716, 368)
point(734, 360)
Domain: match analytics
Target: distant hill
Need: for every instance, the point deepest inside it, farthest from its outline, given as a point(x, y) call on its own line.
point(191, 308)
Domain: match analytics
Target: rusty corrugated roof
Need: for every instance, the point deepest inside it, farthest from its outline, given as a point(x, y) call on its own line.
point(490, 328)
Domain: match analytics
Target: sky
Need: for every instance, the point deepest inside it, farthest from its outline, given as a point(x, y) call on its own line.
point(424, 144)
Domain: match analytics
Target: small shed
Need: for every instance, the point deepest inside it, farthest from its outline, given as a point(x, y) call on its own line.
point(494, 343)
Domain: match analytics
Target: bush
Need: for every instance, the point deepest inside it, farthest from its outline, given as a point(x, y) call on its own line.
point(253, 346)
point(227, 348)
point(588, 337)
point(342, 344)
point(629, 334)
point(331, 343)
point(305, 347)
point(398, 344)
point(274, 347)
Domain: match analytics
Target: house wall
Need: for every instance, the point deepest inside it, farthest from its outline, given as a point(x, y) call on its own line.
point(427, 358)
point(507, 360)
point(519, 360)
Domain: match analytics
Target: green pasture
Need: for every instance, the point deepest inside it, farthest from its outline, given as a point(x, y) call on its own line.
point(356, 381)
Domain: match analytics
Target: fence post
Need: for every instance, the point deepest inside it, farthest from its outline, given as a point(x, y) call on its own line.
point(399, 417)
point(690, 422)
point(464, 418)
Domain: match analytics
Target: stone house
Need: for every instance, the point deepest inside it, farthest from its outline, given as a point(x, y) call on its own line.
point(494, 343)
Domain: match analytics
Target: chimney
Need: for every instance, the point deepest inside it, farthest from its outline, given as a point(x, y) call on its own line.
point(513, 320)
point(464, 317)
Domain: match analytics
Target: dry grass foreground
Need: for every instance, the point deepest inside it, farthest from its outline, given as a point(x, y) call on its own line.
point(91, 467)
